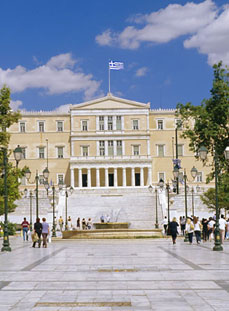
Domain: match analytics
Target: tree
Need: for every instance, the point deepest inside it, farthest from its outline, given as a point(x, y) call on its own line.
point(7, 118)
point(208, 198)
point(208, 124)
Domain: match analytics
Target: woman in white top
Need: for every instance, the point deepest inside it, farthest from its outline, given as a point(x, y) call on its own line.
point(197, 229)
point(189, 229)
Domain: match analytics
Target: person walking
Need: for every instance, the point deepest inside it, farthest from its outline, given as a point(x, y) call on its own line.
point(89, 224)
point(173, 229)
point(78, 223)
point(197, 229)
point(45, 232)
point(38, 231)
point(189, 229)
point(84, 224)
point(227, 229)
point(222, 227)
point(61, 223)
point(205, 229)
point(69, 223)
point(211, 225)
point(165, 225)
point(182, 224)
point(25, 229)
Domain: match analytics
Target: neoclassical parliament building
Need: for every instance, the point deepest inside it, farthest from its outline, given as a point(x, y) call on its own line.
point(107, 142)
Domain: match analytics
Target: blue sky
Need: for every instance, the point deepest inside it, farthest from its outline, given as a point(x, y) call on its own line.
point(56, 52)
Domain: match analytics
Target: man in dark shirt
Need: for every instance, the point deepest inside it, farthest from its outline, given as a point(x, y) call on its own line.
point(38, 231)
point(25, 229)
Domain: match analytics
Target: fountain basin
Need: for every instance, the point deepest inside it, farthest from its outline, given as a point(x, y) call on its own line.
point(111, 225)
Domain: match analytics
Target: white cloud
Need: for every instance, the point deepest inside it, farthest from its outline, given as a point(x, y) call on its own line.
point(213, 40)
point(57, 76)
point(141, 72)
point(105, 38)
point(15, 104)
point(207, 26)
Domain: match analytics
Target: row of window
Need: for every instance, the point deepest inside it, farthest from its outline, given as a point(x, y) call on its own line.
point(41, 126)
point(41, 152)
point(111, 123)
point(113, 148)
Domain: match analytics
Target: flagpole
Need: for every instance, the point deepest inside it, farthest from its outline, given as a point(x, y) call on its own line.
point(109, 78)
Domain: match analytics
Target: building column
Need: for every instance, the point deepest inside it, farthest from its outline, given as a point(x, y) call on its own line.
point(132, 176)
point(115, 177)
point(124, 177)
point(149, 176)
point(72, 178)
point(80, 177)
point(106, 177)
point(142, 176)
point(106, 147)
point(97, 177)
point(89, 178)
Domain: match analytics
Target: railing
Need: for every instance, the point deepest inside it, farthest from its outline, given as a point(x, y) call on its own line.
point(122, 157)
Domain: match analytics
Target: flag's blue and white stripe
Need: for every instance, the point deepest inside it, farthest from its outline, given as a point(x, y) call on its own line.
point(116, 65)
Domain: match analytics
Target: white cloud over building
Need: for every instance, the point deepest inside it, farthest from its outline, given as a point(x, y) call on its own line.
point(206, 25)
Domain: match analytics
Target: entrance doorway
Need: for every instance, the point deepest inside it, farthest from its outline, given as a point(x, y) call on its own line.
point(84, 180)
point(137, 179)
point(111, 180)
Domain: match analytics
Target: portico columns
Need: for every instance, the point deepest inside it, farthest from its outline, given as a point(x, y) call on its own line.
point(115, 177)
point(72, 178)
point(97, 178)
point(142, 176)
point(80, 177)
point(124, 177)
point(132, 177)
point(89, 178)
point(106, 177)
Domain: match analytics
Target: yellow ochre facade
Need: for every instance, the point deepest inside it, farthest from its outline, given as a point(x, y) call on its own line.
point(103, 143)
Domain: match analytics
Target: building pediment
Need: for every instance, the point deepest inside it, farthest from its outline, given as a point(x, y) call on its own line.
point(110, 102)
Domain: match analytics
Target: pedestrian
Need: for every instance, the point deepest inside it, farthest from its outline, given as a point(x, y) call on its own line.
point(102, 219)
point(84, 224)
point(37, 231)
point(78, 223)
point(227, 229)
point(211, 225)
point(189, 229)
point(205, 229)
point(61, 223)
point(45, 232)
point(173, 229)
point(182, 224)
point(89, 224)
point(222, 227)
point(165, 224)
point(197, 229)
point(69, 223)
point(108, 219)
point(25, 229)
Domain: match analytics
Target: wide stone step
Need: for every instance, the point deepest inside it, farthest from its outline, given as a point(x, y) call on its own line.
point(112, 234)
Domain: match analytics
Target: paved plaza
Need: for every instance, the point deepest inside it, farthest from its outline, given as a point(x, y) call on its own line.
point(104, 275)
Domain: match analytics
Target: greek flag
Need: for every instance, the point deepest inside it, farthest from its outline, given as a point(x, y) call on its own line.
point(116, 65)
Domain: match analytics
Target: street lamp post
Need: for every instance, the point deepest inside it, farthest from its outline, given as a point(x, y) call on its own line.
point(30, 206)
point(151, 190)
point(203, 155)
point(18, 156)
point(168, 188)
point(53, 213)
point(6, 242)
point(67, 193)
point(193, 210)
point(28, 175)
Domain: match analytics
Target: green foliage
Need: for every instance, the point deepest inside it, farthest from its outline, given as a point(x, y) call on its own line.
point(11, 227)
point(7, 118)
point(208, 124)
point(208, 198)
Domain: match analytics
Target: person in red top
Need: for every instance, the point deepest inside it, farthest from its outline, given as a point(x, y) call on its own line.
point(25, 229)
